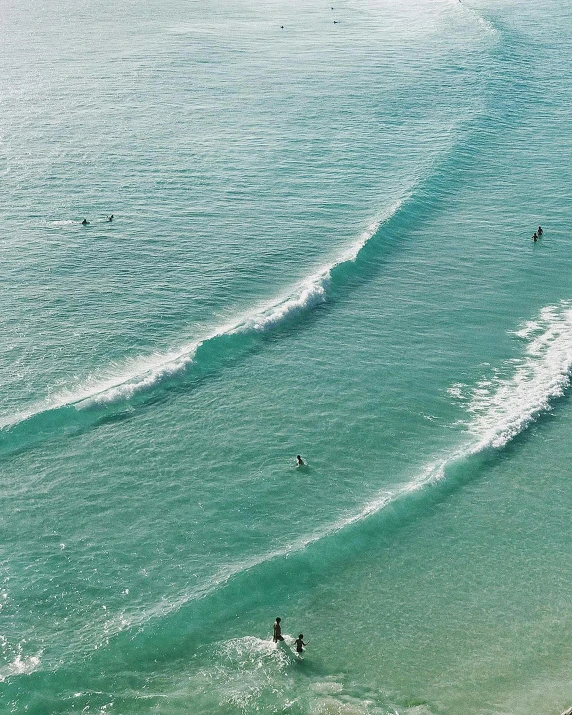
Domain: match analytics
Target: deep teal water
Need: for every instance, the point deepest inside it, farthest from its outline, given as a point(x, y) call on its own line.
point(321, 245)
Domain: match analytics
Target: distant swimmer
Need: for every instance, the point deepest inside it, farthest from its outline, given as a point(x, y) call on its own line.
point(299, 461)
point(534, 237)
point(540, 231)
point(277, 631)
point(335, 22)
point(110, 217)
point(300, 643)
point(84, 222)
point(281, 27)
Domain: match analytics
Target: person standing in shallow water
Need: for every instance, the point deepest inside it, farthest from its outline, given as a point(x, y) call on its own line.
point(299, 461)
point(300, 643)
point(277, 630)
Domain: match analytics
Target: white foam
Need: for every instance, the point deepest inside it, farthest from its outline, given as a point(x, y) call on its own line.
point(24, 665)
point(121, 381)
point(505, 406)
point(21, 665)
point(344, 705)
point(250, 649)
point(327, 687)
point(457, 391)
point(307, 295)
point(482, 21)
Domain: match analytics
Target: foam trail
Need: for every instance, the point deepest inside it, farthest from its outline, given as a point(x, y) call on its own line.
point(123, 382)
point(482, 21)
point(141, 373)
point(21, 665)
point(504, 407)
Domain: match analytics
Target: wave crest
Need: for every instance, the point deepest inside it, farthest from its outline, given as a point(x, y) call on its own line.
point(502, 407)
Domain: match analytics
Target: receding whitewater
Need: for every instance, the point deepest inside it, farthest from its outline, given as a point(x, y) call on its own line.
point(321, 245)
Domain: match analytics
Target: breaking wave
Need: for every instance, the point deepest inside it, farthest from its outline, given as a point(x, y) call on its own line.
point(144, 372)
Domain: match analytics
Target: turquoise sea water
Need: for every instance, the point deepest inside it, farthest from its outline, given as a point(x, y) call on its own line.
point(321, 245)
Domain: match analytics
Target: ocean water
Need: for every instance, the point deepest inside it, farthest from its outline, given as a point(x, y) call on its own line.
point(321, 245)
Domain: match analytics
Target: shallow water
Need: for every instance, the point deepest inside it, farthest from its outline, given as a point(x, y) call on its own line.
point(321, 245)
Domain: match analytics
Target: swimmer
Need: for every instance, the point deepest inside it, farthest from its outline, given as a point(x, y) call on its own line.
point(534, 237)
point(299, 461)
point(540, 231)
point(300, 643)
point(277, 631)
point(84, 222)
point(110, 217)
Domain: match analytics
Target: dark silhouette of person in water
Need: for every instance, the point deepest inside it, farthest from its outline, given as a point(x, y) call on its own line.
point(300, 643)
point(110, 218)
point(299, 461)
point(540, 231)
point(534, 237)
point(85, 222)
point(277, 631)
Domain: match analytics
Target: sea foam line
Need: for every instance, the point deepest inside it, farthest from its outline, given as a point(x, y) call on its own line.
point(481, 20)
point(504, 407)
point(141, 373)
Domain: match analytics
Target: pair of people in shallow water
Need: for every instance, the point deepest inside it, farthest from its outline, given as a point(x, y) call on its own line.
point(537, 234)
point(277, 630)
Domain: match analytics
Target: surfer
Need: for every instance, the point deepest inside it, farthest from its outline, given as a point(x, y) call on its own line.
point(299, 461)
point(110, 218)
point(540, 231)
point(300, 643)
point(534, 237)
point(84, 222)
point(277, 631)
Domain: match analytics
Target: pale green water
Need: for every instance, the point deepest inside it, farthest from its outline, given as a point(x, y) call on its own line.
point(321, 245)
